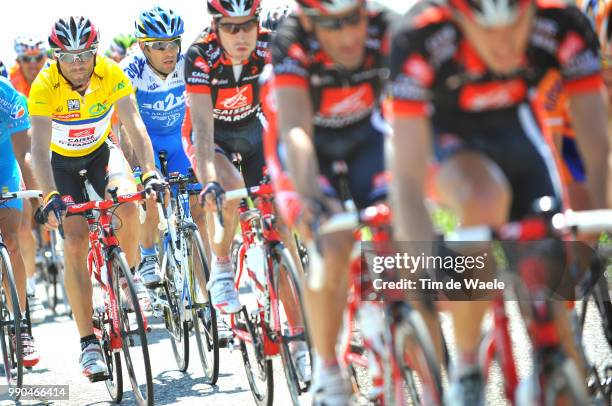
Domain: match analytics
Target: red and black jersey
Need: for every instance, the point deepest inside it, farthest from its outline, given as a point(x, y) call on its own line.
point(435, 70)
point(208, 70)
point(339, 97)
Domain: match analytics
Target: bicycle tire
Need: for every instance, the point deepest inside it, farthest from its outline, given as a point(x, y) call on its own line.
point(176, 327)
point(412, 327)
point(204, 315)
point(254, 325)
point(566, 377)
point(12, 355)
point(121, 268)
point(102, 322)
point(282, 256)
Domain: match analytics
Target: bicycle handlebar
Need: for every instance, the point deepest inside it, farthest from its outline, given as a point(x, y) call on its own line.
point(22, 194)
point(585, 221)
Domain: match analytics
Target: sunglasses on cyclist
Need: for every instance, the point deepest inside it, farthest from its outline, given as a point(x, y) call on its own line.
point(337, 23)
point(84, 56)
point(234, 28)
point(163, 45)
point(31, 58)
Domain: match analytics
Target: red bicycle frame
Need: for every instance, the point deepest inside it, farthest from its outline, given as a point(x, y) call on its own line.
point(263, 197)
point(102, 239)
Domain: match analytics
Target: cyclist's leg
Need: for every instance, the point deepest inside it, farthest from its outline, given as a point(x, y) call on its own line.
point(10, 217)
point(76, 278)
point(475, 188)
point(221, 284)
point(119, 175)
point(149, 262)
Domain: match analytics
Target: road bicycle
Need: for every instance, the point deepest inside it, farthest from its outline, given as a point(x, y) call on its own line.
point(185, 306)
point(118, 320)
point(556, 376)
point(266, 327)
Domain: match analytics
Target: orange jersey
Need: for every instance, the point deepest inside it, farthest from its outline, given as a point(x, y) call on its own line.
point(551, 101)
point(19, 81)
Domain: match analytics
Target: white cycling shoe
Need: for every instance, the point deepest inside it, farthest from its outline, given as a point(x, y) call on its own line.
point(223, 294)
point(92, 363)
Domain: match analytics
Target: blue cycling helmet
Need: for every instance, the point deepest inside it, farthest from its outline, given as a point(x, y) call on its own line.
point(158, 23)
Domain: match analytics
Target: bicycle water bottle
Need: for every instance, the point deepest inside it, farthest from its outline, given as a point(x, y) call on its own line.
point(255, 262)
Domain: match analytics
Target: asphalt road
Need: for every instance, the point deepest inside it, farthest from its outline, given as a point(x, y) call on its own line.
point(58, 344)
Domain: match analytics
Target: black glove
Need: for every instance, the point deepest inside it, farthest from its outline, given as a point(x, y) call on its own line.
point(213, 188)
point(151, 181)
point(54, 204)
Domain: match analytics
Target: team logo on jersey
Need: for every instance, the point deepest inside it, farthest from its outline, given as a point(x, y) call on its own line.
point(571, 46)
point(232, 99)
point(344, 101)
point(98, 109)
point(495, 95)
point(417, 67)
point(74, 105)
point(17, 111)
point(201, 64)
point(82, 132)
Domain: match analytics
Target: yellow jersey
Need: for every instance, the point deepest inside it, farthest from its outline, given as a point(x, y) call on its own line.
point(80, 124)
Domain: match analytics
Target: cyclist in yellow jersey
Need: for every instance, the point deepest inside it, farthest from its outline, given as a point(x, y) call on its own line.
point(71, 103)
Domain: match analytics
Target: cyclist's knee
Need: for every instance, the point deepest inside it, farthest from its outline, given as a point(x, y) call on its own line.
point(11, 240)
point(75, 234)
point(476, 189)
point(128, 213)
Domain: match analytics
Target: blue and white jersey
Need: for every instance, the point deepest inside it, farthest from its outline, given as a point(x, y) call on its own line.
point(161, 102)
point(13, 113)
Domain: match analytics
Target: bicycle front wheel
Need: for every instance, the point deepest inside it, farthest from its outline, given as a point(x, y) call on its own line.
point(173, 314)
point(286, 278)
point(133, 333)
point(10, 324)
point(416, 359)
point(204, 315)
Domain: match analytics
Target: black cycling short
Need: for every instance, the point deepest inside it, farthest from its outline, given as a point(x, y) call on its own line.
point(66, 171)
point(512, 139)
point(361, 147)
point(246, 141)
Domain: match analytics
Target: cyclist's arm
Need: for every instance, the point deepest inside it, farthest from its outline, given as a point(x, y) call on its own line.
point(125, 143)
point(297, 133)
point(201, 110)
point(411, 144)
point(41, 158)
point(135, 129)
point(21, 146)
point(589, 116)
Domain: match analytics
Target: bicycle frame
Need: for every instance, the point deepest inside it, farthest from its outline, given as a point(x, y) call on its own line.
point(180, 211)
point(258, 227)
point(102, 240)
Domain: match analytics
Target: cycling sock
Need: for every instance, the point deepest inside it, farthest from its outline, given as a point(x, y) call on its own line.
point(148, 252)
point(90, 339)
point(31, 285)
point(221, 265)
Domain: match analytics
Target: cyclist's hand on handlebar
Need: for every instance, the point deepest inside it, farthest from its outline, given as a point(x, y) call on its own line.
point(211, 197)
point(55, 206)
point(153, 184)
point(316, 211)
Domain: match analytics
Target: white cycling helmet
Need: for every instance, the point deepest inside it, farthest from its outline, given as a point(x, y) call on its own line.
point(323, 7)
point(490, 13)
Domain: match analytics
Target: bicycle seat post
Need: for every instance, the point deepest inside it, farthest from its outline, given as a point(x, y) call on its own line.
point(83, 176)
point(163, 162)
